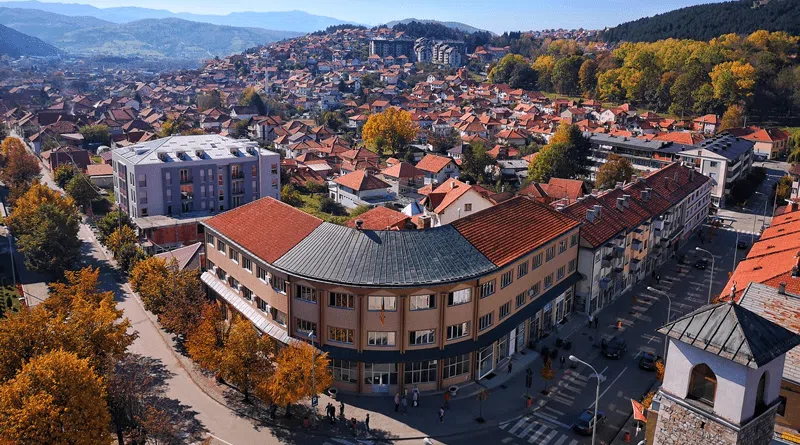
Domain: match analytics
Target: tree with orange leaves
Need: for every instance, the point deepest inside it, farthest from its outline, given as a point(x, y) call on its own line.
point(292, 378)
point(20, 167)
point(389, 131)
point(207, 339)
point(246, 360)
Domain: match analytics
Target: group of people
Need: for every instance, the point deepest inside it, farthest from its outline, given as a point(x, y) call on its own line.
point(401, 403)
point(330, 413)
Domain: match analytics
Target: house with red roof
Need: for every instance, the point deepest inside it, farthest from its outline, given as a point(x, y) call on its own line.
point(452, 200)
point(360, 187)
point(437, 168)
point(707, 124)
point(381, 218)
point(767, 142)
point(403, 177)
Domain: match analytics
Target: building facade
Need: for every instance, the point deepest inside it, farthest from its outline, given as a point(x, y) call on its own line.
point(395, 48)
point(645, 156)
point(725, 159)
point(398, 309)
point(181, 175)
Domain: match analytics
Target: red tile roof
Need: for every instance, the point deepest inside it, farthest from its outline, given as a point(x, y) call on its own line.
point(380, 218)
point(433, 163)
point(402, 170)
point(360, 180)
point(513, 228)
point(287, 227)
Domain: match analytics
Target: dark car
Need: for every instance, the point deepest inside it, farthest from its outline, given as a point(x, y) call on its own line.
point(648, 361)
point(585, 423)
point(701, 264)
point(614, 348)
point(742, 244)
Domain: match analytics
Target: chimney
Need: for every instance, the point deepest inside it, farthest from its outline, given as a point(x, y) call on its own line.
point(620, 204)
point(627, 200)
point(619, 184)
point(359, 224)
point(595, 192)
point(666, 181)
point(782, 288)
point(795, 206)
point(452, 184)
point(590, 215)
point(466, 182)
point(675, 177)
point(597, 208)
point(691, 174)
point(645, 195)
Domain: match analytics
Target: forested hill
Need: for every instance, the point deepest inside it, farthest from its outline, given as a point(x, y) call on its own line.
point(704, 22)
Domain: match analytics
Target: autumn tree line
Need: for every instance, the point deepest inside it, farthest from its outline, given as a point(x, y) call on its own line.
point(682, 77)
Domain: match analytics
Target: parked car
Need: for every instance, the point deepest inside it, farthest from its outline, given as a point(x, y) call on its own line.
point(648, 361)
point(701, 264)
point(742, 244)
point(614, 348)
point(586, 422)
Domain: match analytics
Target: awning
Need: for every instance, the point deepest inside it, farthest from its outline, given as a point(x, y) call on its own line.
point(638, 411)
point(244, 308)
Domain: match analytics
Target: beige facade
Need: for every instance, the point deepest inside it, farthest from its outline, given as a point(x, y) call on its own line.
point(388, 339)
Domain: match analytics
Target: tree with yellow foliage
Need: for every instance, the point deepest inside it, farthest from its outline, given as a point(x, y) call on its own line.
point(20, 167)
point(119, 238)
point(246, 360)
point(149, 278)
point(733, 118)
point(207, 339)
point(291, 381)
point(389, 131)
point(28, 204)
point(56, 398)
point(77, 285)
point(733, 82)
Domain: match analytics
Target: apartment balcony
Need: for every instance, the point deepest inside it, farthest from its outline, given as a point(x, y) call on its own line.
point(606, 262)
point(635, 265)
point(659, 225)
point(605, 283)
point(185, 180)
point(657, 233)
point(619, 251)
point(237, 175)
point(637, 245)
point(187, 196)
point(237, 192)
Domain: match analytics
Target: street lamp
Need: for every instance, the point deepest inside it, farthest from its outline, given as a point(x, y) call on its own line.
point(669, 310)
point(711, 278)
point(572, 358)
point(313, 381)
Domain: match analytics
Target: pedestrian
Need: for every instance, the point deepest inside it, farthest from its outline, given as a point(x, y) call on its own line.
point(332, 413)
point(590, 321)
point(447, 399)
point(653, 274)
point(353, 425)
point(509, 366)
point(341, 410)
point(366, 423)
point(272, 411)
point(415, 397)
point(404, 406)
point(658, 279)
point(397, 402)
point(441, 415)
point(562, 360)
point(596, 321)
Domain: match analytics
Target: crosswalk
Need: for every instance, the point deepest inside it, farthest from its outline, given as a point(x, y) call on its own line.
point(537, 432)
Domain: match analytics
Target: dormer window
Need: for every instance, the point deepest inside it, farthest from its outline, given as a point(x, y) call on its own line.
point(702, 385)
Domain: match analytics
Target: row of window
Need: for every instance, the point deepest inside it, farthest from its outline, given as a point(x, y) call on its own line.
point(386, 373)
point(378, 338)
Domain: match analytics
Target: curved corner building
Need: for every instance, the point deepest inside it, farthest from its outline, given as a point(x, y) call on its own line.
point(429, 308)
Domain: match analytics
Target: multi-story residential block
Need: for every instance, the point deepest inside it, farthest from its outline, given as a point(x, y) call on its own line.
point(724, 158)
point(644, 155)
point(629, 231)
point(164, 183)
point(394, 309)
point(394, 48)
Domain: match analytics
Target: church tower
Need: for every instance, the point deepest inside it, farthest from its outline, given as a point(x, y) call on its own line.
point(722, 378)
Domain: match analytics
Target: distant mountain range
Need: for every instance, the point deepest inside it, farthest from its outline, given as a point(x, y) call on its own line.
point(295, 21)
point(453, 25)
point(152, 38)
point(15, 44)
point(704, 22)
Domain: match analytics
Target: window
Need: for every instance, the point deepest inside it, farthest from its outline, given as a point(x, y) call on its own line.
point(306, 293)
point(340, 335)
point(143, 211)
point(380, 373)
point(573, 240)
point(454, 366)
point(305, 327)
point(376, 303)
point(247, 264)
point(522, 270)
point(233, 283)
point(521, 300)
point(209, 265)
point(506, 279)
point(380, 338)
point(344, 301)
point(278, 284)
point(261, 274)
point(537, 260)
point(571, 265)
point(485, 321)
point(561, 272)
point(274, 169)
point(487, 289)
point(184, 174)
point(551, 253)
point(210, 240)
point(468, 207)
point(344, 371)
point(421, 302)
point(458, 330)
point(702, 384)
point(505, 310)
point(459, 297)
point(278, 316)
point(548, 281)
point(261, 304)
point(233, 255)
point(247, 293)
point(202, 175)
point(221, 274)
point(221, 246)
point(169, 195)
point(143, 197)
point(167, 178)
point(420, 372)
point(423, 337)
point(562, 246)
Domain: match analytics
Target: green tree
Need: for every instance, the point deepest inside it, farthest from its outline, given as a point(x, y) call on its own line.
point(211, 99)
point(251, 97)
point(615, 169)
point(476, 163)
point(552, 161)
point(732, 118)
point(515, 71)
point(783, 188)
point(291, 196)
point(63, 174)
point(587, 77)
point(110, 222)
point(96, 134)
point(50, 239)
point(565, 76)
point(81, 190)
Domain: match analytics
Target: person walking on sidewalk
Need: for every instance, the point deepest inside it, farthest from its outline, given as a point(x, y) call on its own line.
point(397, 402)
point(415, 397)
point(341, 410)
point(404, 405)
point(658, 279)
point(366, 423)
point(562, 360)
point(441, 414)
point(509, 366)
point(447, 399)
point(596, 321)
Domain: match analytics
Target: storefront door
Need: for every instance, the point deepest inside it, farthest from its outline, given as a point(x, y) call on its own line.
point(485, 361)
point(536, 327)
point(512, 342)
point(547, 319)
point(521, 336)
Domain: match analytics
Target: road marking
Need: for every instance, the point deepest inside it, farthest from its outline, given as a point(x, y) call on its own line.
point(540, 432)
point(221, 440)
point(609, 386)
point(518, 425)
point(561, 440)
point(551, 420)
point(527, 430)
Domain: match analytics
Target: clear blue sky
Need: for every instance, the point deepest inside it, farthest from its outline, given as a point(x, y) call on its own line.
point(494, 15)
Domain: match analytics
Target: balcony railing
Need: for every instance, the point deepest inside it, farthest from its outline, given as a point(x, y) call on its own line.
point(637, 245)
point(185, 180)
point(605, 283)
point(635, 265)
point(237, 175)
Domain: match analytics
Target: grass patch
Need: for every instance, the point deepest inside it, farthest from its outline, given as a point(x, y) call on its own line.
point(311, 206)
point(97, 159)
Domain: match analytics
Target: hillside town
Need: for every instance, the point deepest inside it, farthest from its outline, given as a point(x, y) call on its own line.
point(361, 212)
